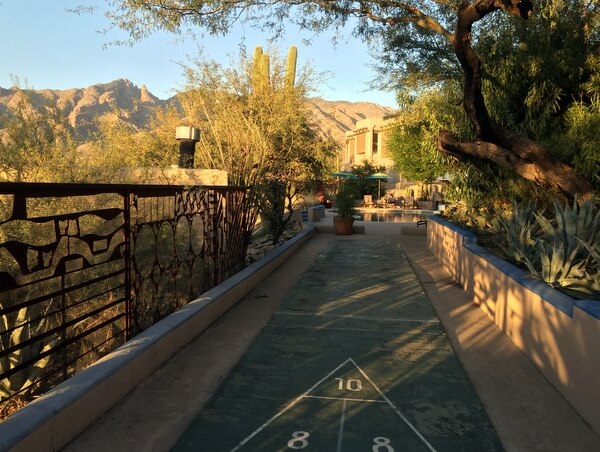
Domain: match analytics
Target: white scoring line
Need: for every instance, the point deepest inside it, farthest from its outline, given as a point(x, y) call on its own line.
point(306, 393)
point(345, 399)
point(359, 317)
point(398, 412)
point(324, 327)
point(341, 431)
point(289, 406)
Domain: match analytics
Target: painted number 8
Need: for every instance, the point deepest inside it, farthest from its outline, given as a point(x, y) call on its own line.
point(298, 440)
point(382, 444)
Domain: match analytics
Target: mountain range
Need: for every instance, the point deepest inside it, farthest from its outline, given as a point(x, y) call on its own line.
point(136, 105)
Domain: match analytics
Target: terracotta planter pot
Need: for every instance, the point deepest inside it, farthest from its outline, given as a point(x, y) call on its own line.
point(343, 225)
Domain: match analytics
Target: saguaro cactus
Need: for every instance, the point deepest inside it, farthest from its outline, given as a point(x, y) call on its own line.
point(261, 68)
point(256, 67)
point(290, 70)
point(258, 52)
point(265, 69)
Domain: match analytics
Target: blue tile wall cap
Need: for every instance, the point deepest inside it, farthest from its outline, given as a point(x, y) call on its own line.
point(591, 307)
point(560, 301)
point(503, 265)
point(468, 236)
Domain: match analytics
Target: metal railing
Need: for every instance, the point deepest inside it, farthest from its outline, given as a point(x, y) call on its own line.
point(83, 268)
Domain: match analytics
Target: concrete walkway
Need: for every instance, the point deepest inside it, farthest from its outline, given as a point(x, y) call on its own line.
point(354, 358)
point(525, 411)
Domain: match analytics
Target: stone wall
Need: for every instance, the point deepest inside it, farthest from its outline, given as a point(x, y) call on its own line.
point(557, 333)
point(173, 176)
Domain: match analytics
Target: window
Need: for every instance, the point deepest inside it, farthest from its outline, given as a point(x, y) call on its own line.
point(361, 143)
point(375, 147)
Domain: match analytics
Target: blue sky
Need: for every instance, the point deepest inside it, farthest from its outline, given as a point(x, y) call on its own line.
point(45, 46)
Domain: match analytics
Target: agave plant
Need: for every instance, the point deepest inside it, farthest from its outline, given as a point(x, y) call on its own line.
point(563, 251)
point(520, 236)
point(573, 223)
point(593, 275)
point(560, 265)
point(25, 381)
point(568, 247)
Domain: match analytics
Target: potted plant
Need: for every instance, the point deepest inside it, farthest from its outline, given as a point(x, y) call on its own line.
point(344, 205)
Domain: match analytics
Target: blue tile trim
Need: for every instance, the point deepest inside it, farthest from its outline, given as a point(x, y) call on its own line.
point(591, 307)
point(559, 300)
point(468, 237)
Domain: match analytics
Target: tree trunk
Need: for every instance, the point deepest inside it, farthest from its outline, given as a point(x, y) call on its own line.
point(494, 143)
point(542, 170)
point(473, 101)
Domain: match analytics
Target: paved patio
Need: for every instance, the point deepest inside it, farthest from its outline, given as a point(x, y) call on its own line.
point(350, 312)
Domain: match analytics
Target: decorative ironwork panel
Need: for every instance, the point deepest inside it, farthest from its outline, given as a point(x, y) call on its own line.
point(62, 286)
point(85, 267)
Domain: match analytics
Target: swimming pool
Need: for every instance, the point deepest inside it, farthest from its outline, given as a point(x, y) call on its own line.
point(390, 216)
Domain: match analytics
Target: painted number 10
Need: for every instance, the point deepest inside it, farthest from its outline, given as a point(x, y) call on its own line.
point(351, 384)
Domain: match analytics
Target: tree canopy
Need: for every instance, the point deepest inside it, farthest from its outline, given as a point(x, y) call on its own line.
point(443, 33)
point(255, 125)
point(36, 144)
point(412, 141)
point(541, 79)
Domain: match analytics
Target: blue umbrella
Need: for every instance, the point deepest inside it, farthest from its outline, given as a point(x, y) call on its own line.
point(379, 177)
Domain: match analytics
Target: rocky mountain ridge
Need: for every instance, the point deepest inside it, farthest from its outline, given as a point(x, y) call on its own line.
point(83, 106)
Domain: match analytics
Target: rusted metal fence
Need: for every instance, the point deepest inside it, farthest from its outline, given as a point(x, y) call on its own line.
point(83, 268)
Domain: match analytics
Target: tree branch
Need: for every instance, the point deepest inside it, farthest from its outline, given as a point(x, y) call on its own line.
point(535, 167)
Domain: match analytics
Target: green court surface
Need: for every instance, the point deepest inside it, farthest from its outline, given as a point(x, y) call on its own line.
point(354, 360)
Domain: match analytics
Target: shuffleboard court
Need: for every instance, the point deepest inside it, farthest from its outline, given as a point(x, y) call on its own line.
point(354, 360)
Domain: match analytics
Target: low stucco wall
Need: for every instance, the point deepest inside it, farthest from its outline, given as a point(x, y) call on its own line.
point(560, 335)
point(173, 175)
point(53, 420)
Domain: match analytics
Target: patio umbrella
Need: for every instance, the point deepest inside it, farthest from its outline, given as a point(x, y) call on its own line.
point(379, 177)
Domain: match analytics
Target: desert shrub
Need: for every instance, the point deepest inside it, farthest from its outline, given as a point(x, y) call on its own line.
point(560, 246)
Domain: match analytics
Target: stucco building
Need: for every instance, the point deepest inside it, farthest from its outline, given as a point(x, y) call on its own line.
point(367, 142)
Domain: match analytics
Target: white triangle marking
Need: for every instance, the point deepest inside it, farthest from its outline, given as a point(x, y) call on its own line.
point(306, 394)
point(398, 412)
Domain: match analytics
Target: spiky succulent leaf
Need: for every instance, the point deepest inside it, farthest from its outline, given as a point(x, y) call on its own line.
point(519, 229)
point(24, 327)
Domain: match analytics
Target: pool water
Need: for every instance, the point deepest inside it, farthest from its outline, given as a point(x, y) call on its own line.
point(391, 216)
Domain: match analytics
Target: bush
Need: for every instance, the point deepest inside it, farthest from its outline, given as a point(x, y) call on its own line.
point(562, 249)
